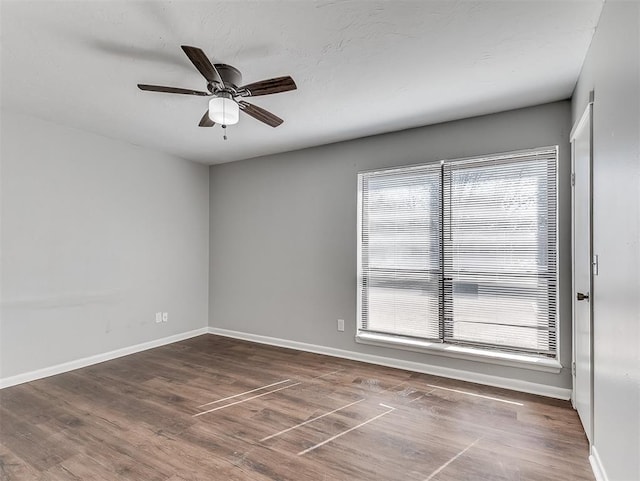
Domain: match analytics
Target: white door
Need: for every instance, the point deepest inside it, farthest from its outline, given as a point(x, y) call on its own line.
point(581, 156)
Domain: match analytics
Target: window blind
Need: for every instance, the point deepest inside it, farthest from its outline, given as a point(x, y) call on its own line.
point(499, 248)
point(463, 252)
point(399, 244)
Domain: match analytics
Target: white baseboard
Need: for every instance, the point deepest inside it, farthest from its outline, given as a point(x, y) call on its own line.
point(596, 465)
point(495, 381)
point(88, 361)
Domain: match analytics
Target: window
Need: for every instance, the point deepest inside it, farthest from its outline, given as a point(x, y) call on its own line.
point(461, 252)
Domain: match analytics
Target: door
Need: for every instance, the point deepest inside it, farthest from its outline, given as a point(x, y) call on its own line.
point(581, 162)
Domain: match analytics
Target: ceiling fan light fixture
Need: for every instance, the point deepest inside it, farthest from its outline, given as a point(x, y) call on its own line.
point(224, 110)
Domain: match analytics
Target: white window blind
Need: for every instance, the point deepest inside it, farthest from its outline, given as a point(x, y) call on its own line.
point(500, 251)
point(462, 252)
point(400, 268)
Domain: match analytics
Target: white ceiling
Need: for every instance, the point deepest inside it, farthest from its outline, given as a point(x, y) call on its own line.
point(362, 67)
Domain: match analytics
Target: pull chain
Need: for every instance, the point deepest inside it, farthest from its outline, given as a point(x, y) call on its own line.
point(224, 116)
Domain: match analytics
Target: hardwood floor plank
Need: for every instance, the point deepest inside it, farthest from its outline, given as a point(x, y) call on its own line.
point(30, 443)
point(13, 468)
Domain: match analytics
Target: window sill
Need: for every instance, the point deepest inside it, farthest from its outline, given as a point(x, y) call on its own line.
point(460, 352)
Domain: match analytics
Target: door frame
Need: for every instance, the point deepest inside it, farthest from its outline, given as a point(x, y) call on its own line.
point(587, 116)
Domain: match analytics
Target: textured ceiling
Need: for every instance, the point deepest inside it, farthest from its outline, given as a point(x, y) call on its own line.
point(362, 67)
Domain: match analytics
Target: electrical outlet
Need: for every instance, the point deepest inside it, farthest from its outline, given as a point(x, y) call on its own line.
point(158, 316)
point(165, 316)
point(340, 325)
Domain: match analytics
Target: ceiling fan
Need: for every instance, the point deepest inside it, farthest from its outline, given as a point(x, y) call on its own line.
point(224, 85)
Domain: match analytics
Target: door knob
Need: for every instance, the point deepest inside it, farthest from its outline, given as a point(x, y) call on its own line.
point(582, 297)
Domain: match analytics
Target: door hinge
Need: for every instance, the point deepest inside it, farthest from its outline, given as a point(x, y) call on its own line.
point(595, 265)
point(573, 179)
point(573, 368)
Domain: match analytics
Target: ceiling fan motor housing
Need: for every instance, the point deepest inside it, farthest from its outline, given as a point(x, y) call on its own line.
point(230, 75)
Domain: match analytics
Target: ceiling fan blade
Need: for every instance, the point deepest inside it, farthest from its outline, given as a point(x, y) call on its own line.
point(206, 121)
point(269, 86)
point(171, 90)
point(260, 114)
point(203, 64)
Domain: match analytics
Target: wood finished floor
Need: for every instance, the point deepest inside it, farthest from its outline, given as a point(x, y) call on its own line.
point(320, 418)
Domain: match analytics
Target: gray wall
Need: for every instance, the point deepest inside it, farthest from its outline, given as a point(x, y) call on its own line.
point(97, 235)
point(612, 70)
point(283, 231)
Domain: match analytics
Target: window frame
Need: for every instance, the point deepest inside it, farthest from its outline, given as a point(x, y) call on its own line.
point(441, 347)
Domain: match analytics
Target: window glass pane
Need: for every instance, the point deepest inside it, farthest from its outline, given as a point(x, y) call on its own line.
point(510, 312)
point(405, 311)
point(403, 221)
